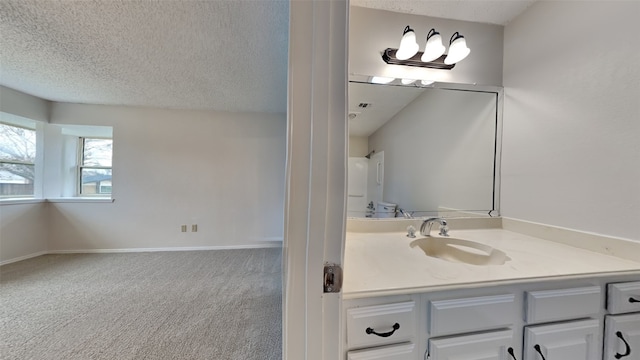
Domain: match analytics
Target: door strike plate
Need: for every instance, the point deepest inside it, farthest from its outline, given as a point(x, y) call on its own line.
point(332, 278)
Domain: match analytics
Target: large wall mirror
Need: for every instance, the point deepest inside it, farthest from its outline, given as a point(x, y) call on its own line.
point(423, 151)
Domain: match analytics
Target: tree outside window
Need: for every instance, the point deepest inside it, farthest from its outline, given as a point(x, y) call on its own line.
point(17, 160)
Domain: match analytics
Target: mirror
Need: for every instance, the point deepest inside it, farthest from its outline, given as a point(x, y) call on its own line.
point(423, 151)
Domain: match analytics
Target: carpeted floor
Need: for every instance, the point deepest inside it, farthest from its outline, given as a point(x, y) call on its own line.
point(215, 305)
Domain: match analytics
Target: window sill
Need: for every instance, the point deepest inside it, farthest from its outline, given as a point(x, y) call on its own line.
point(81, 200)
point(18, 201)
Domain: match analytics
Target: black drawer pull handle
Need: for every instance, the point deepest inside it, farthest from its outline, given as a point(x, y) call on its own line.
point(632, 300)
point(628, 350)
point(370, 331)
point(537, 348)
point(510, 351)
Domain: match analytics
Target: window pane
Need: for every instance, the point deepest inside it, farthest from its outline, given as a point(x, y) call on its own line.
point(95, 181)
point(17, 144)
point(97, 152)
point(16, 179)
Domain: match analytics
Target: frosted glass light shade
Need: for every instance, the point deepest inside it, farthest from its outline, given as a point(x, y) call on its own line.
point(426, 82)
point(434, 48)
point(408, 45)
point(407, 81)
point(458, 49)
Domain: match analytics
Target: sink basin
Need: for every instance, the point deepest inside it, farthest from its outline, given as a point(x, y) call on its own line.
point(460, 251)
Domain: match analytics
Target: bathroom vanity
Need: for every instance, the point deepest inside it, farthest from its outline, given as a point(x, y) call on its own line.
point(495, 289)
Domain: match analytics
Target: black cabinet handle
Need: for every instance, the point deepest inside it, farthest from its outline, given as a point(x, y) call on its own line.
point(370, 331)
point(510, 351)
point(537, 348)
point(632, 300)
point(627, 351)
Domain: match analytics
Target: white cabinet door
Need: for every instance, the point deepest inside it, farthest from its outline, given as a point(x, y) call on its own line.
point(575, 340)
point(485, 346)
point(622, 337)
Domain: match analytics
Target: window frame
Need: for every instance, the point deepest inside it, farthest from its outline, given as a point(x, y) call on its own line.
point(81, 166)
point(18, 162)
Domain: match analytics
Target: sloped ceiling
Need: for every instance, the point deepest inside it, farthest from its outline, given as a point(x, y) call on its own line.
point(206, 54)
point(383, 101)
point(222, 55)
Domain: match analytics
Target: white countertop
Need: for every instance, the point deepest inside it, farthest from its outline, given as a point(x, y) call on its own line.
point(383, 263)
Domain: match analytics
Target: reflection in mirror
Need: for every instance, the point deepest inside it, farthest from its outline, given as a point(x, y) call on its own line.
point(417, 152)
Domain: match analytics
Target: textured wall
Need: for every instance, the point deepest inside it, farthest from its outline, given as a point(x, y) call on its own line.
point(571, 150)
point(371, 31)
point(222, 171)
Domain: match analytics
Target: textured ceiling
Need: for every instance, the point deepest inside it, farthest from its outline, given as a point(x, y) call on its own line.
point(221, 55)
point(228, 55)
point(498, 12)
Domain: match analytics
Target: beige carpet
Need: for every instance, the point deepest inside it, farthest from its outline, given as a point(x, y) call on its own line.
point(165, 305)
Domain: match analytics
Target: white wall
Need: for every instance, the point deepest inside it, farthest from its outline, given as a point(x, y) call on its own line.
point(221, 171)
point(571, 116)
point(23, 227)
point(371, 31)
point(24, 105)
point(358, 146)
point(438, 153)
point(23, 230)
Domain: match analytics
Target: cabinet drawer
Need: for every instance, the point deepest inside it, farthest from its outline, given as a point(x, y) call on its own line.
point(564, 304)
point(623, 297)
point(381, 324)
point(406, 351)
point(454, 316)
point(492, 345)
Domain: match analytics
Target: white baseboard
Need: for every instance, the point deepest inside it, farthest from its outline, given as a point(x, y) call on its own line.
point(133, 250)
point(190, 248)
point(20, 258)
point(274, 238)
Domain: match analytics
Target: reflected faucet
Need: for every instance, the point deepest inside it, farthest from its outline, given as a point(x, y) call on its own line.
point(425, 229)
point(405, 214)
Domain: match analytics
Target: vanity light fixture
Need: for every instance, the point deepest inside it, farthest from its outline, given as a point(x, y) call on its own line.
point(407, 81)
point(381, 80)
point(408, 53)
point(426, 82)
point(408, 44)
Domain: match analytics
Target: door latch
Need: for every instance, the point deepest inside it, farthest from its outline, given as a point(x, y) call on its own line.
point(332, 278)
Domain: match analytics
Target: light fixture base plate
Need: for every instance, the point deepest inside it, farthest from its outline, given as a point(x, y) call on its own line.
point(389, 56)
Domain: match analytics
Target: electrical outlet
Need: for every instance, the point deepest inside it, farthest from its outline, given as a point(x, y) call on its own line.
point(194, 228)
point(183, 228)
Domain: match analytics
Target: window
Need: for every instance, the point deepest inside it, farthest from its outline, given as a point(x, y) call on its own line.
point(94, 170)
point(17, 160)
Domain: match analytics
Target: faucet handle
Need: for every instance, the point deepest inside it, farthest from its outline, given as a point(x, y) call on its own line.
point(411, 231)
point(444, 230)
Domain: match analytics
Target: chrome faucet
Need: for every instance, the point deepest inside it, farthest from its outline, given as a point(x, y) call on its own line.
point(425, 229)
